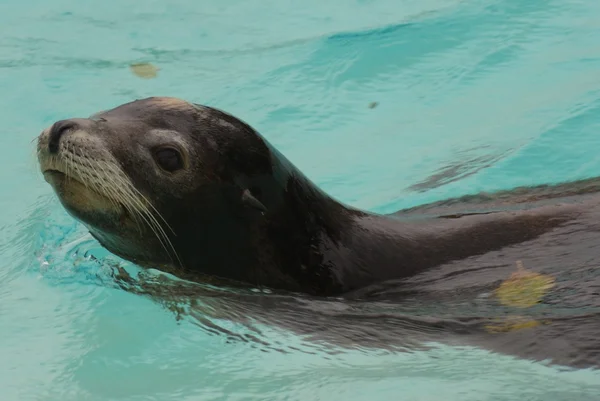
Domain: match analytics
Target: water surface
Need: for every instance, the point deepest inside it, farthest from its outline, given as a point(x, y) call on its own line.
point(471, 96)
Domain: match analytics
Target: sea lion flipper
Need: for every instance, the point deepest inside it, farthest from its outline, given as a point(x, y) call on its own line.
point(251, 201)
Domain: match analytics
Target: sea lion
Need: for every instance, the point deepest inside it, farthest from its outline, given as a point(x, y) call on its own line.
point(191, 190)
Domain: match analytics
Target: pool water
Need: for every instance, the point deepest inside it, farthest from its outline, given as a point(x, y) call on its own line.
point(384, 103)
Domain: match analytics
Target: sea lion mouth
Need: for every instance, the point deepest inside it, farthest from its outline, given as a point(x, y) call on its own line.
point(81, 196)
point(52, 171)
point(79, 187)
point(53, 174)
point(54, 167)
point(59, 178)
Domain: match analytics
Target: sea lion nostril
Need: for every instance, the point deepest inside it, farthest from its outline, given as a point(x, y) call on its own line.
point(57, 131)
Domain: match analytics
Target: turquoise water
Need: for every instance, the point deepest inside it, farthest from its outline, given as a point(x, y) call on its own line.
point(471, 96)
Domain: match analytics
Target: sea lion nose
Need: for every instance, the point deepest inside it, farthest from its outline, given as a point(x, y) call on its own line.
point(56, 132)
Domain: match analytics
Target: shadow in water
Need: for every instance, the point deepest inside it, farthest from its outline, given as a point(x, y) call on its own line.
point(403, 316)
point(454, 304)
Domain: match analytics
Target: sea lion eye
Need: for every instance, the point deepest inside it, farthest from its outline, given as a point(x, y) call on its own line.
point(168, 159)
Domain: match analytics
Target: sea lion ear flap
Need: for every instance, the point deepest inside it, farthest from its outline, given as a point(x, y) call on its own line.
point(250, 200)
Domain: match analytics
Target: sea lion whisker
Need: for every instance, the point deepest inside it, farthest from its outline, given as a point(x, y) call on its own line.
point(134, 205)
point(116, 194)
point(69, 161)
point(101, 184)
point(66, 156)
point(159, 232)
point(75, 167)
point(113, 189)
point(84, 177)
point(153, 208)
point(143, 200)
point(140, 207)
point(137, 208)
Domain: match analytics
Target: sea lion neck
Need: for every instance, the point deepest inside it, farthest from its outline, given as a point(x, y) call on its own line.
point(302, 224)
point(402, 246)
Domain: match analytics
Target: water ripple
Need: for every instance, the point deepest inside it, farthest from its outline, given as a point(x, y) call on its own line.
point(471, 96)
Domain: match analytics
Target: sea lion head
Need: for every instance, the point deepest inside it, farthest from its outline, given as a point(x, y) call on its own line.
point(164, 182)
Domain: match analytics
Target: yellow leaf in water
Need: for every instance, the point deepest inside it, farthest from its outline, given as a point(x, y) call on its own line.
point(512, 324)
point(524, 289)
point(144, 70)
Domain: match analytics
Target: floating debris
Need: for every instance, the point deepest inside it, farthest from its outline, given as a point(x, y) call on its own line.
point(512, 323)
point(144, 70)
point(524, 289)
point(372, 105)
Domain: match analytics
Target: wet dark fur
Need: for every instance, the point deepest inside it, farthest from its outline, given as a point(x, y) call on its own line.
point(442, 256)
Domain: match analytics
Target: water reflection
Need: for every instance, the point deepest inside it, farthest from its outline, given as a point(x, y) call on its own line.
point(451, 307)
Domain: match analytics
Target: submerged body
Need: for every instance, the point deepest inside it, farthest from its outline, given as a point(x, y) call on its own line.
point(193, 191)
